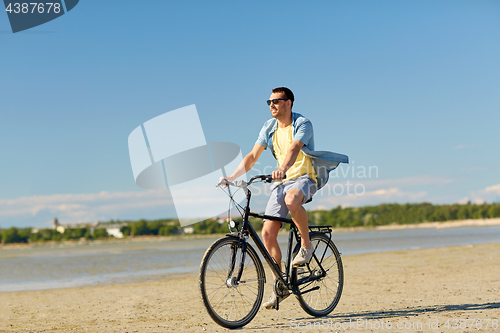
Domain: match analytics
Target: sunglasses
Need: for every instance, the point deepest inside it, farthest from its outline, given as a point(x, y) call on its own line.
point(276, 100)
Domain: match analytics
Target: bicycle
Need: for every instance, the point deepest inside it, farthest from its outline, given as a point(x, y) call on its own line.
point(232, 276)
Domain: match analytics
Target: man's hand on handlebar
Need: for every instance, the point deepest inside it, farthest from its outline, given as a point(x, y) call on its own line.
point(279, 175)
point(223, 181)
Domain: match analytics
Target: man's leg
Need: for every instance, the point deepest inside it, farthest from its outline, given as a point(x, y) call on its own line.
point(270, 237)
point(293, 200)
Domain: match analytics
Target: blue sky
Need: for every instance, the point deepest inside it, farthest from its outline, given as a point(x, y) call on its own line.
point(410, 87)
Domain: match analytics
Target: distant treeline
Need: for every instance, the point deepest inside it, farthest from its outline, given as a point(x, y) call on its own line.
point(29, 235)
point(339, 217)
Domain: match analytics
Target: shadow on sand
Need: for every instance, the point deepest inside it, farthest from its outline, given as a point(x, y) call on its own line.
point(386, 314)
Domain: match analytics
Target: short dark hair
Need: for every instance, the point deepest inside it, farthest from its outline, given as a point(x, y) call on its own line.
point(286, 91)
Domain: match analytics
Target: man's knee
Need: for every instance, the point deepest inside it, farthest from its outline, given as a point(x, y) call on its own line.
point(293, 199)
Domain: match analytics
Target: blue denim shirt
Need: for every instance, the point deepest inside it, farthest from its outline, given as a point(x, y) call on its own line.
point(302, 130)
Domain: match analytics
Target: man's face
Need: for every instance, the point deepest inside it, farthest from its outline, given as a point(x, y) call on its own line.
point(281, 108)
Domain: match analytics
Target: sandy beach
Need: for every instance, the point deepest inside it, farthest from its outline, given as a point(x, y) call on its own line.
point(417, 288)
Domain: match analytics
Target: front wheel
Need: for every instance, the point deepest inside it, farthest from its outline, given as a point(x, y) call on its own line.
point(327, 290)
point(231, 303)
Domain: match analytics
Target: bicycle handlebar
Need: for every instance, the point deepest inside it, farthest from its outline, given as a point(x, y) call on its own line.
point(243, 184)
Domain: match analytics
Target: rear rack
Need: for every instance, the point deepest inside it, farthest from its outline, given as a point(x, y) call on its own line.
point(321, 228)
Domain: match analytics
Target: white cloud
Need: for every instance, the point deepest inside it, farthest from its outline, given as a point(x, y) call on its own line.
point(37, 211)
point(488, 194)
point(75, 208)
point(364, 192)
point(493, 189)
point(331, 198)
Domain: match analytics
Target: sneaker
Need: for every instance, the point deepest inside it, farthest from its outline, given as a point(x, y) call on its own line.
point(303, 257)
point(274, 300)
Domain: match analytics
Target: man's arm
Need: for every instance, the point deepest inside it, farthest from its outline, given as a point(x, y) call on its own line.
point(290, 158)
point(248, 162)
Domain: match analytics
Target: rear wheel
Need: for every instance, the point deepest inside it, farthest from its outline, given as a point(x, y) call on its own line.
point(231, 303)
point(328, 289)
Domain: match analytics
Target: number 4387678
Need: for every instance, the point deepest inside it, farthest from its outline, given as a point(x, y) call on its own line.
point(478, 324)
point(33, 7)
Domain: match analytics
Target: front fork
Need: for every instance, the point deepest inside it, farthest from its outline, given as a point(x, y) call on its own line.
point(233, 281)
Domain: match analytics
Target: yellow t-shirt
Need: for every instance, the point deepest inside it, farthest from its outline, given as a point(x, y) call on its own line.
point(282, 139)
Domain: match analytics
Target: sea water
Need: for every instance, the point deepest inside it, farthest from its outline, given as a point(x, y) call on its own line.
point(66, 265)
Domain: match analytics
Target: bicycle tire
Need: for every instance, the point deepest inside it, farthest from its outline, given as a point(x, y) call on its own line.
point(322, 301)
point(231, 306)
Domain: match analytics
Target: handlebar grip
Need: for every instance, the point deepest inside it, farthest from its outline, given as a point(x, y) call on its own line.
point(269, 178)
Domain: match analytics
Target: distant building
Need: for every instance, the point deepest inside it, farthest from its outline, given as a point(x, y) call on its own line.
point(55, 223)
point(57, 226)
point(114, 230)
point(111, 229)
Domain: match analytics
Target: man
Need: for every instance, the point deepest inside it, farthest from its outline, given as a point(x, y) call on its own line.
point(290, 138)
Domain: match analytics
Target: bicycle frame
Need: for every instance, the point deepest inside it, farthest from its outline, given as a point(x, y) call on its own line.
point(248, 230)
